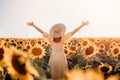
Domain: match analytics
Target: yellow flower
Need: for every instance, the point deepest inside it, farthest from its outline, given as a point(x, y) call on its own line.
point(68, 43)
point(78, 44)
point(85, 43)
point(27, 47)
point(43, 41)
point(101, 46)
point(89, 51)
point(2, 54)
point(101, 50)
point(118, 44)
point(79, 74)
point(75, 74)
point(66, 51)
point(96, 40)
point(91, 74)
point(37, 51)
point(113, 77)
point(73, 48)
point(114, 49)
point(112, 44)
point(105, 68)
point(115, 52)
point(18, 65)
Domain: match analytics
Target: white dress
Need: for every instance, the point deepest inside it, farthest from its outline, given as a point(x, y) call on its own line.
point(58, 62)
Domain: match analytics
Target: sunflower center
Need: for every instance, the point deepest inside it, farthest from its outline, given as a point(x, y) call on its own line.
point(65, 51)
point(72, 48)
point(101, 50)
point(116, 51)
point(102, 46)
point(69, 43)
point(1, 53)
point(18, 66)
point(89, 50)
point(28, 47)
point(85, 43)
point(105, 69)
point(36, 51)
point(111, 46)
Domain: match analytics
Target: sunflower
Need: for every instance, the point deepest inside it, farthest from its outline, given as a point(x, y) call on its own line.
point(33, 42)
point(6, 44)
point(112, 44)
point(73, 49)
point(37, 51)
point(90, 74)
point(113, 77)
point(66, 51)
point(27, 46)
point(101, 51)
point(65, 46)
point(104, 68)
point(78, 44)
point(46, 43)
point(75, 74)
point(12, 42)
point(3, 51)
point(18, 65)
point(101, 46)
point(115, 51)
point(96, 40)
point(85, 43)
point(68, 43)
point(118, 44)
point(20, 44)
point(89, 51)
point(43, 41)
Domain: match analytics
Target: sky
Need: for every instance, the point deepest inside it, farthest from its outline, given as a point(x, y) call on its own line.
point(103, 15)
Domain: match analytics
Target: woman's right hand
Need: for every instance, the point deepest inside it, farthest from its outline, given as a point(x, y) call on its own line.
point(84, 23)
point(30, 24)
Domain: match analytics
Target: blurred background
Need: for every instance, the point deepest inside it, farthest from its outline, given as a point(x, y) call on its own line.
point(103, 16)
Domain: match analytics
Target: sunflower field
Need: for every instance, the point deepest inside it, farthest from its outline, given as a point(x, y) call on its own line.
point(88, 59)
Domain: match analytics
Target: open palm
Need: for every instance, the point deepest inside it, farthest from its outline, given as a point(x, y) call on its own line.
point(30, 24)
point(85, 23)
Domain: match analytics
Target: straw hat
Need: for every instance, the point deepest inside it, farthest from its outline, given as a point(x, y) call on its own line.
point(57, 30)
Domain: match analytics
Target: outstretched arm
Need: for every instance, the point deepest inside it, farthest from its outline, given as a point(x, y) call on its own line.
point(78, 28)
point(32, 24)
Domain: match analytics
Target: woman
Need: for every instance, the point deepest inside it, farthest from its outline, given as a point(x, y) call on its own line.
point(57, 38)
